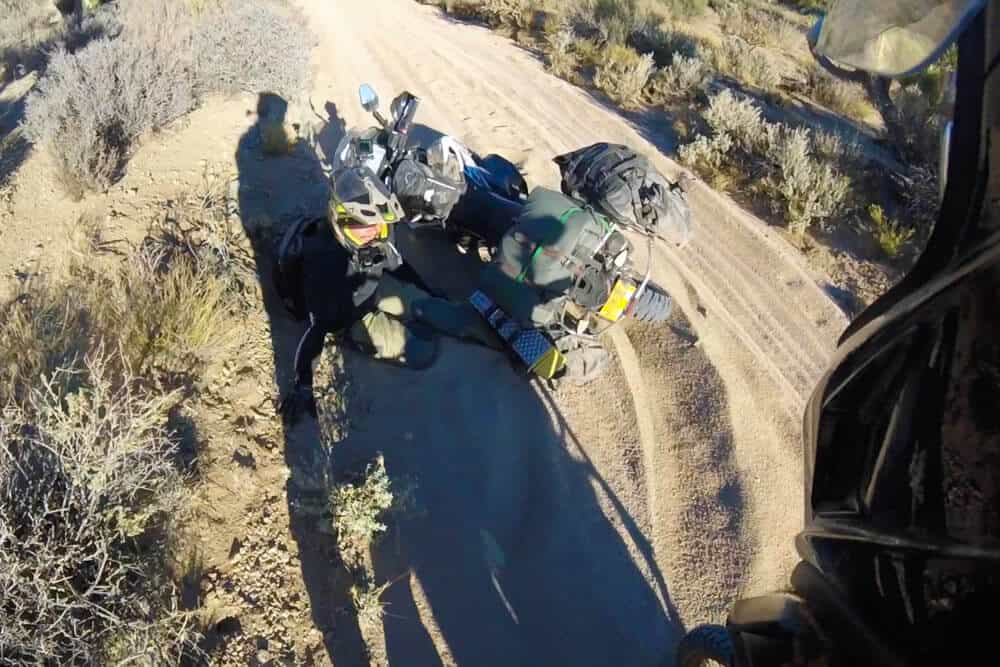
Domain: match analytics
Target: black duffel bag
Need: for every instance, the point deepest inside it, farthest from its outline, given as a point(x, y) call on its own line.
point(625, 187)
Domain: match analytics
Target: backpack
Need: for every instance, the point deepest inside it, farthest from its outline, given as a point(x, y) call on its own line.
point(548, 252)
point(624, 186)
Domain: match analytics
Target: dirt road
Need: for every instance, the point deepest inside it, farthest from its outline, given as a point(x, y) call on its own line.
point(584, 526)
point(589, 526)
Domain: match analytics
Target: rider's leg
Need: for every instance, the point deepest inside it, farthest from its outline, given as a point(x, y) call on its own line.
point(388, 339)
point(410, 303)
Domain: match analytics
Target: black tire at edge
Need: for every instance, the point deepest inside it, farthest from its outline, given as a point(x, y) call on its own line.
point(704, 643)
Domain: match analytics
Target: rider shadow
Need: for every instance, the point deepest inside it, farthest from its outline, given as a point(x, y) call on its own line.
point(272, 191)
point(506, 554)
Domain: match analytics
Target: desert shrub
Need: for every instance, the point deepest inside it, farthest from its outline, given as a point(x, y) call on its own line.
point(588, 52)
point(736, 19)
point(759, 27)
point(368, 606)
point(663, 43)
point(913, 113)
point(746, 63)
point(92, 106)
point(844, 97)
point(614, 20)
point(686, 8)
point(890, 236)
point(810, 190)
point(812, 5)
point(623, 74)
point(737, 116)
point(709, 157)
point(561, 60)
point(33, 30)
point(356, 509)
point(279, 61)
point(684, 78)
point(87, 486)
point(836, 147)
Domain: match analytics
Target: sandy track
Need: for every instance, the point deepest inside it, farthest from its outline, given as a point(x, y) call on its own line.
point(716, 465)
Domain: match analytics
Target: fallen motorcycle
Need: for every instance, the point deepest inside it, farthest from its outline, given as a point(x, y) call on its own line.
point(444, 185)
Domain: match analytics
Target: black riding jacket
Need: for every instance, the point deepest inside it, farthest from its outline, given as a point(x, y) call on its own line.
point(338, 287)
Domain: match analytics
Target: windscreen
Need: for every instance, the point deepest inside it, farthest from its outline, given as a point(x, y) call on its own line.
point(892, 37)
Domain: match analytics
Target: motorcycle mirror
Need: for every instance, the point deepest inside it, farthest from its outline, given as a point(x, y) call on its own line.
point(369, 98)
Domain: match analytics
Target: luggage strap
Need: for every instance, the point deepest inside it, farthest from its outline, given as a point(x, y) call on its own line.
point(539, 248)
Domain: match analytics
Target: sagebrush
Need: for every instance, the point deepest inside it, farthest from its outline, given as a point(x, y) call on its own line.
point(623, 74)
point(356, 508)
point(87, 483)
point(809, 190)
point(746, 63)
point(93, 105)
point(93, 362)
point(684, 78)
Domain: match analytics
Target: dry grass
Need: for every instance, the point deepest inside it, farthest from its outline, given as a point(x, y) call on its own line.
point(92, 362)
point(844, 97)
point(746, 63)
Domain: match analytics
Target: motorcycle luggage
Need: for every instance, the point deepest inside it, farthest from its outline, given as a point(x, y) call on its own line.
point(423, 192)
point(624, 186)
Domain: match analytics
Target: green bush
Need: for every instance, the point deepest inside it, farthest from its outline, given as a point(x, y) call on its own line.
point(623, 74)
point(357, 509)
point(890, 236)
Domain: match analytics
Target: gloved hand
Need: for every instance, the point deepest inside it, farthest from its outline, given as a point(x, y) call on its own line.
point(298, 399)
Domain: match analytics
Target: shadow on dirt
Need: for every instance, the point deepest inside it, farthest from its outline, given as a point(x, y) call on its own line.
point(14, 148)
point(272, 191)
point(505, 555)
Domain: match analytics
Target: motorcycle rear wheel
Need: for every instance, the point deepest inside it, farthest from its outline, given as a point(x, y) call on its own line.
point(653, 305)
point(706, 646)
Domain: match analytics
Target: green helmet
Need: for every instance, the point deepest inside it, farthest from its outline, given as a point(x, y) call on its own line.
point(362, 207)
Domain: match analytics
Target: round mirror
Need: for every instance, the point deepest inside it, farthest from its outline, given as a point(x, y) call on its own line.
point(369, 98)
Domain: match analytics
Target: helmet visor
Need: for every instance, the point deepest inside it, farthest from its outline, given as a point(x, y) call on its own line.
point(892, 37)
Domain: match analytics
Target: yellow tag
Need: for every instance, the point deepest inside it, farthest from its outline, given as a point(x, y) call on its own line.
point(550, 364)
point(621, 297)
